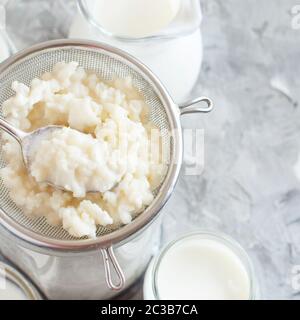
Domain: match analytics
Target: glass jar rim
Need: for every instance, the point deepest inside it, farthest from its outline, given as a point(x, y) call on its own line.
point(219, 237)
point(16, 278)
point(84, 10)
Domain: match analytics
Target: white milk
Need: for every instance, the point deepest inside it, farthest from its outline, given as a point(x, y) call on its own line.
point(135, 18)
point(200, 268)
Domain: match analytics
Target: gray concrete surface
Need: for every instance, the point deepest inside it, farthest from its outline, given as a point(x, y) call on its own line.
point(248, 188)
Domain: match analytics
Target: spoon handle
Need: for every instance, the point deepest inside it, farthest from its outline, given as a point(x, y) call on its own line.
point(11, 130)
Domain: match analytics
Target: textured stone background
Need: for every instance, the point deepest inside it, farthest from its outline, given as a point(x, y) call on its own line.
point(248, 189)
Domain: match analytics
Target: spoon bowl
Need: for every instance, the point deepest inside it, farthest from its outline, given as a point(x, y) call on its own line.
point(29, 141)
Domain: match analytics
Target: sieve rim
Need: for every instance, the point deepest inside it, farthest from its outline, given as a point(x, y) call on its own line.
point(148, 215)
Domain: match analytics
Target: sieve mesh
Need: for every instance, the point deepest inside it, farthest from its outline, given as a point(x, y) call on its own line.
point(108, 66)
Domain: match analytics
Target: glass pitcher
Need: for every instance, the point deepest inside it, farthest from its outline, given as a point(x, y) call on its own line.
point(173, 52)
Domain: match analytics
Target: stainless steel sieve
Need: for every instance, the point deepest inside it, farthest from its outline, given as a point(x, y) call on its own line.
point(108, 62)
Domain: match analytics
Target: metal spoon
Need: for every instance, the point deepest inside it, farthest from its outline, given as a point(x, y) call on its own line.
point(27, 142)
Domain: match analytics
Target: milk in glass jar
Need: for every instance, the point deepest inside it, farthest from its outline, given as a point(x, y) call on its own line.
point(201, 266)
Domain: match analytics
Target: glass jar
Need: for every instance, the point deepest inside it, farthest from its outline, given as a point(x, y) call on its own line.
point(14, 286)
point(151, 281)
point(6, 46)
point(174, 53)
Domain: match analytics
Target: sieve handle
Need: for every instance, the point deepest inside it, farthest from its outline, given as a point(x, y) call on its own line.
point(196, 106)
point(109, 258)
